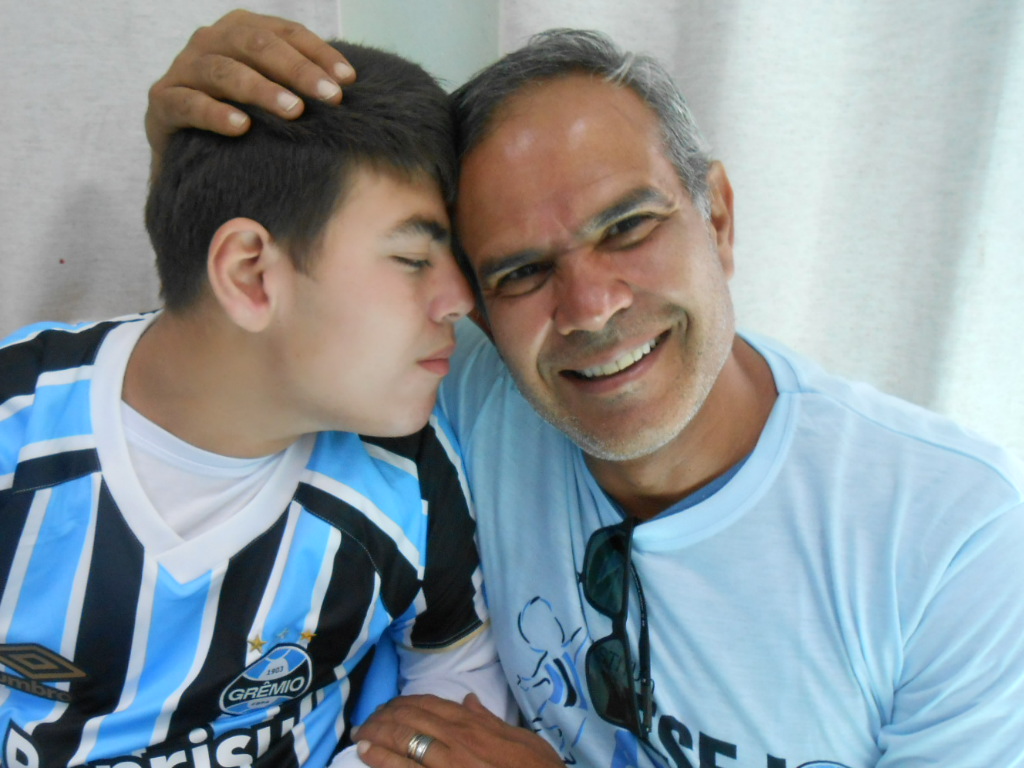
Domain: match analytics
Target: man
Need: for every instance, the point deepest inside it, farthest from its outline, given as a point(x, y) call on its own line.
point(210, 516)
point(709, 552)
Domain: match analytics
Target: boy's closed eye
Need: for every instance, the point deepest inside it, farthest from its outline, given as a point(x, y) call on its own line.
point(412, 262)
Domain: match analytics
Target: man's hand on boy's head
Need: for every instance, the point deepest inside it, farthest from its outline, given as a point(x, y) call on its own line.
point(242, 57)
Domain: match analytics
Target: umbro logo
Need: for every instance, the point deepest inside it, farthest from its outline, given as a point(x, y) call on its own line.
point(35, 665)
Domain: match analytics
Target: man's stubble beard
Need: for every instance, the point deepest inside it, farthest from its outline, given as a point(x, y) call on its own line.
point(649, 438)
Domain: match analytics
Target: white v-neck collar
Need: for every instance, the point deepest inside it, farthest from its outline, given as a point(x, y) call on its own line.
point(184, 560)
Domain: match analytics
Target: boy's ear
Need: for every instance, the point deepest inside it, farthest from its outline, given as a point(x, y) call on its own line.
point(243, 266)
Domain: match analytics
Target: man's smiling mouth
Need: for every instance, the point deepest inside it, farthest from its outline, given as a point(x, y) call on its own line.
point(621, 363)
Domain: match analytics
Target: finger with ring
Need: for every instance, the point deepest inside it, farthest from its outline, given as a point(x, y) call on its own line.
point(418, 746)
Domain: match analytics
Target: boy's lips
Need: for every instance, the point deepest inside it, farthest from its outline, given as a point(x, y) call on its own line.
point(439, 362)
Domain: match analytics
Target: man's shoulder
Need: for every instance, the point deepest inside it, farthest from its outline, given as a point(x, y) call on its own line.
point(881, 428)
point(478, 374)
point(476, 359)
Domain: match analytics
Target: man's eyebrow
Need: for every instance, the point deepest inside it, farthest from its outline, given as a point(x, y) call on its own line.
point(508, 263)
point(632, 200)
point(421, 225)
point(636, 198)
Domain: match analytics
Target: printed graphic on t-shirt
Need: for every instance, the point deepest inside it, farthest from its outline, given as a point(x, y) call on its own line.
point(556, 681)
point(555, 686)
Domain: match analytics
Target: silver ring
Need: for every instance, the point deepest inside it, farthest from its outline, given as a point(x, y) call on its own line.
point(418, 746)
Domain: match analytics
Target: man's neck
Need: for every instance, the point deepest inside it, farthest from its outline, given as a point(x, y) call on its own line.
point(190, 375)
point(723, 432)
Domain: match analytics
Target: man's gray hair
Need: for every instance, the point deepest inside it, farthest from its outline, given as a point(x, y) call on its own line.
point(560, 52)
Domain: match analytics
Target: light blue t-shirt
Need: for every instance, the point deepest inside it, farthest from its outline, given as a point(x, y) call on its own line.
point(852, 597)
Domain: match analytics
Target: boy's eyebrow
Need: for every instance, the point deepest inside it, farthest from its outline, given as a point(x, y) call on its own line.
point(635, 198)
point(421, 225)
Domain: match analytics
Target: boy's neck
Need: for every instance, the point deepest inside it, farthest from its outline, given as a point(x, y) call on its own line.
point(197, 376)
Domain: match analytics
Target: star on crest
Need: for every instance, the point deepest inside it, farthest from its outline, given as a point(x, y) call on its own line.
point(308, 635)
point(256, 644)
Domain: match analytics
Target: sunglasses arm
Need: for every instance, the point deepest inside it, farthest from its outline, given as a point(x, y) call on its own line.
point(645, 697)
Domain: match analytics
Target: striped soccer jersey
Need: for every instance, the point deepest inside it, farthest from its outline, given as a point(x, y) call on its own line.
point(121, 646)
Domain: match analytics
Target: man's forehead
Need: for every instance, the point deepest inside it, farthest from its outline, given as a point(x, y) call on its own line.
point(564, 98)
point(562, 120)
point(561, 155)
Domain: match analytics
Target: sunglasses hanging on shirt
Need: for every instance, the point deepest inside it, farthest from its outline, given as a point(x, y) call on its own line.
point(617, 694)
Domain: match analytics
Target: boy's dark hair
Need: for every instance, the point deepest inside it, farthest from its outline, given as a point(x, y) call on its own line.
point(291, 176)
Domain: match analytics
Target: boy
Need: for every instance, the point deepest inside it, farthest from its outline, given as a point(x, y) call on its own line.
point(198, 551)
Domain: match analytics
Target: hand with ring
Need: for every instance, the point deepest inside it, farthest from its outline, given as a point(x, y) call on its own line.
point(418, 746)
point(426, 730)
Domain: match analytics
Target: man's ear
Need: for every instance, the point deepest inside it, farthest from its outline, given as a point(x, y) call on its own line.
point(242, 266)
point(720, 196)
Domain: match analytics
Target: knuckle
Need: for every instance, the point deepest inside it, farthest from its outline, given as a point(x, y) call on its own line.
point(220, 70)
point(298, 71)
point(236, 14)
point(201, 38)
point(185, 110)
point(292, 29)
point(239, 18)
point(257, 41)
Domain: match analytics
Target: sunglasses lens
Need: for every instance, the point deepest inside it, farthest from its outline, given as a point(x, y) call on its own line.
point(610, 681)
point(609, 663)
point(602, 571)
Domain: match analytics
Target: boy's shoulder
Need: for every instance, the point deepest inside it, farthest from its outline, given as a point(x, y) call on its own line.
point(48, 347)
point(46, 375)
point(423, 456)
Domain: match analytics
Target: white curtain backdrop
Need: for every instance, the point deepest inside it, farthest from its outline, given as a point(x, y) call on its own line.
point(73, 156)
point(876, 150)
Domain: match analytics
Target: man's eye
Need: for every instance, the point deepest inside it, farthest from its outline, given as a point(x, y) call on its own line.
point(631, 229)
point(521, 280)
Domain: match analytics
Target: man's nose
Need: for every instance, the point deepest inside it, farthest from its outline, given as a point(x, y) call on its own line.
point(589, 290)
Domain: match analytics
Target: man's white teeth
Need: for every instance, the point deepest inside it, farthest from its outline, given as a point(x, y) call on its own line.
point(621, 363)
